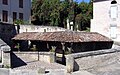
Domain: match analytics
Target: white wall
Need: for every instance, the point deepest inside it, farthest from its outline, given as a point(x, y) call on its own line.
point(33, 28)
point(13, 6)
point(102, 21)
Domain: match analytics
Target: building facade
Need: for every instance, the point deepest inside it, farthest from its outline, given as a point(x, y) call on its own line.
point(106, 18)
point(11, 10)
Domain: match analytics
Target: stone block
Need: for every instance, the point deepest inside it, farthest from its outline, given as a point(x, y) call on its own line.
point(69, 64)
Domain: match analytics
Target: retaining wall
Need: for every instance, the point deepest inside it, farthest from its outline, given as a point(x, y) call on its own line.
point(6, 71)
point(33, 56)
point(92, 59)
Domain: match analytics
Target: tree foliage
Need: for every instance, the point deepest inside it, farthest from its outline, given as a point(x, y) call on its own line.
point(84, 14)
point(55, 12)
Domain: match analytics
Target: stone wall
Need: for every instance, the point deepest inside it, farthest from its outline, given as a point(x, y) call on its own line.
point(33, 56)
point(6, 71)
point(92, 59)
point(34, 28)
point(6, 60)
point(4, 54)
point(8, 31)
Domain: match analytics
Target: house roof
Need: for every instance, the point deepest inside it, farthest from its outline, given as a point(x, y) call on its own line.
point(64, 36)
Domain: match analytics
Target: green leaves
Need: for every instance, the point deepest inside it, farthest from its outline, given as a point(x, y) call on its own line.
point(84, 14)
point(55, 12)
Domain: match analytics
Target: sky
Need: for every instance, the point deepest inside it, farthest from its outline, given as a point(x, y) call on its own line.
point(82, 0)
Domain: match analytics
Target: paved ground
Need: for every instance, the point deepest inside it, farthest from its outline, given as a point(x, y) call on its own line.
point(40, 64)
point(74, 73)
point(108, 69)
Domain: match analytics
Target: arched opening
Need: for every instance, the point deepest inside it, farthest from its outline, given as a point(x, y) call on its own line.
point(114, 2)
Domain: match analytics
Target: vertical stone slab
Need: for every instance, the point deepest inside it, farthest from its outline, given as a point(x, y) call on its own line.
point(69, 63)
point(68, 25)
point(52, 57)
point(6, 56)
point(6, 60)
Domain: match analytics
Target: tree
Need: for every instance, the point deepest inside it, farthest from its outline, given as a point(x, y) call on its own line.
point(84, 14)
point(50, 12)
point(55, 12)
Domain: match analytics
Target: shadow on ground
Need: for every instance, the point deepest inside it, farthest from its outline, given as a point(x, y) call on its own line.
point(61, 60)
point(16, 61)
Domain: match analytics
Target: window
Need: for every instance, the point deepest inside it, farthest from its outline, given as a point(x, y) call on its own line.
point(114, 12)
point(5, 16)
point(21, 16)
point(113, 2)
point(5, 2)
point(20, 3)
point(113, 33)
point(14, 16)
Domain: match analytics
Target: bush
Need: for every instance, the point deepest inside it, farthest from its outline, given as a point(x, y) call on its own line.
point(21, 22)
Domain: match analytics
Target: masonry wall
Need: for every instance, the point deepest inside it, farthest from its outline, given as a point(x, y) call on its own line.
point(13, 6)
point(6, 61)
point(92, 60)
point(22, 58)
point(6, 71)
point(33, 28)
point(102, 21)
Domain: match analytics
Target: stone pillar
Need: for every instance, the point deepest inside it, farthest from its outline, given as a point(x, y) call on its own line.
point(71, 27)
point(69, 63)
point(68, 25)
point(6, 59)
point(6, 56)
point(52, 57)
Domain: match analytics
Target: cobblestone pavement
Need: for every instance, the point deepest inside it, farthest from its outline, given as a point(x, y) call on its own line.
point(40, 64)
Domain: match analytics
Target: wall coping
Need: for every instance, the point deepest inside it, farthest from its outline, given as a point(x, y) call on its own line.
point(92, 53)
point(36, 52)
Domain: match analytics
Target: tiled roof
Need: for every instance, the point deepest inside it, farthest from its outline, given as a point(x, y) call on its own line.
point(64, 36)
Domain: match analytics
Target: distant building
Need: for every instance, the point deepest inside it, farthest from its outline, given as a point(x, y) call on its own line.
point(10, 10)
point(106, 18)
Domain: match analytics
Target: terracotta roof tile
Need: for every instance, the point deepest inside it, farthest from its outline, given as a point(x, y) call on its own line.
point(64, 36)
